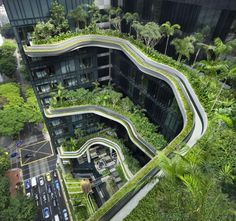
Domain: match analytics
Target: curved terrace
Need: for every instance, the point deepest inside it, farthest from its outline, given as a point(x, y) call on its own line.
point(98, 141)
point(194, 116)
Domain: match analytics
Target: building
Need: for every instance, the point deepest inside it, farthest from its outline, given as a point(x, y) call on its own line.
point(192, 15)
point(82, 66)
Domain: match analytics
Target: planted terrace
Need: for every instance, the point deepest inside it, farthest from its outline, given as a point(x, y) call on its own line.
point(141, 56)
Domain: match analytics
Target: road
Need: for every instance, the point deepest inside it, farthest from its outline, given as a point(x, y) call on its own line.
point(54, 198)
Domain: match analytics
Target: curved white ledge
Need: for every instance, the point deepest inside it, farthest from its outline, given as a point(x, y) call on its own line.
point(98, 141)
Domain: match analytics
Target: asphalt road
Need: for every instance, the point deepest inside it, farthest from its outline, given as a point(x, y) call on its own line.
point(54, 198)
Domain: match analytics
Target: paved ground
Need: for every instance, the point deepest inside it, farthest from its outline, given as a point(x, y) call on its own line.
point(54, 198)
point(35, 152)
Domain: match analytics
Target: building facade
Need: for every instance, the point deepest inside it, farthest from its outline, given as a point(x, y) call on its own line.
point(81, 68)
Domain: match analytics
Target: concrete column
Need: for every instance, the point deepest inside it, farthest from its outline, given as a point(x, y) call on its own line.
point(88, 156)
point(111, 152)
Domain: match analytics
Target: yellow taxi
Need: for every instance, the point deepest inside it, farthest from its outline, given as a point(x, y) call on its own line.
point(48, 177)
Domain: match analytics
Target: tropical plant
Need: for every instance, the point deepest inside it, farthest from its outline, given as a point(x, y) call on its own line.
point(138, 27)
point(168, 30)
point(130, 18)
point(214, 51)
point(151, 34)
point(184, 47)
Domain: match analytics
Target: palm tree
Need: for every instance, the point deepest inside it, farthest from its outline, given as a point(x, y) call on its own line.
point(138, 27)
point(130, 18)
point(184, 47)
point(198, 44)
point(214, 51)
point(168, 31)
point(58, 96)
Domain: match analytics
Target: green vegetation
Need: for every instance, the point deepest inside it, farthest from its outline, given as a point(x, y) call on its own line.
point(17, 208)
point(14, 111)
point(197, 190)
point(7, 58)
point(7, 31)
point(107, 97)
point(78, 199)
point(56, 25)
point(75, 144)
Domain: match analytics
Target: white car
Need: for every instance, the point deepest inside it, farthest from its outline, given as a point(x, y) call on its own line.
point(65, 214)
point(28, 194)
point(41, 181)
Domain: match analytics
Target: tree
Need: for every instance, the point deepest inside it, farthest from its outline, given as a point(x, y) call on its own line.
point(80, 15)
point(7, 31)
point(130, 18)
point(116, 22)
point(184, 47)
point(8, 59)
point(151, 34)
point(198, 44)
point(138, 27)
point(20, 208)
point(43, 31)
point(58, 18)
point(4, 162)
point(168, 31)
point(214, 51)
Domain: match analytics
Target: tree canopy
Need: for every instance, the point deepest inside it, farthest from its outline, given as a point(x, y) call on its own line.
point(15, 112)
point(7, 31)
point(7, 58)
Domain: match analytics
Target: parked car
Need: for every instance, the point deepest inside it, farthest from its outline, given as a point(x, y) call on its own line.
point(14, 154)
point(41, 181)
point(44, 197)
point(48, 177)
point(52, 195)
point(57, 184)
point(28, 195)
point(27, 184)
point(65, 214)
point(49, 189)
point(46, 214)
point(54, 203)
point(33, 182)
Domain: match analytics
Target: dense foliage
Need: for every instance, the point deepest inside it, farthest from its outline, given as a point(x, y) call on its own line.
point(75, 144)
point(16, 208)
point(14, 111)
point(7, 58)
point(195, 187)
point(7, 31)
point(107, 97)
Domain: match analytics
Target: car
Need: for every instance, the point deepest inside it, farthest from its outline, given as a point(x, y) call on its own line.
point(65, 214)
point(49, 189)
point(52, 195)
point(28, 195)
point(44, 197)
point(55, 173)
point(27, 184)
point(54, 203)
point(33, 182)
point(57, 184)
point(46, 214)
point(28, 155)
point(14, 154)
point(41, 181)
point(48, 177)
